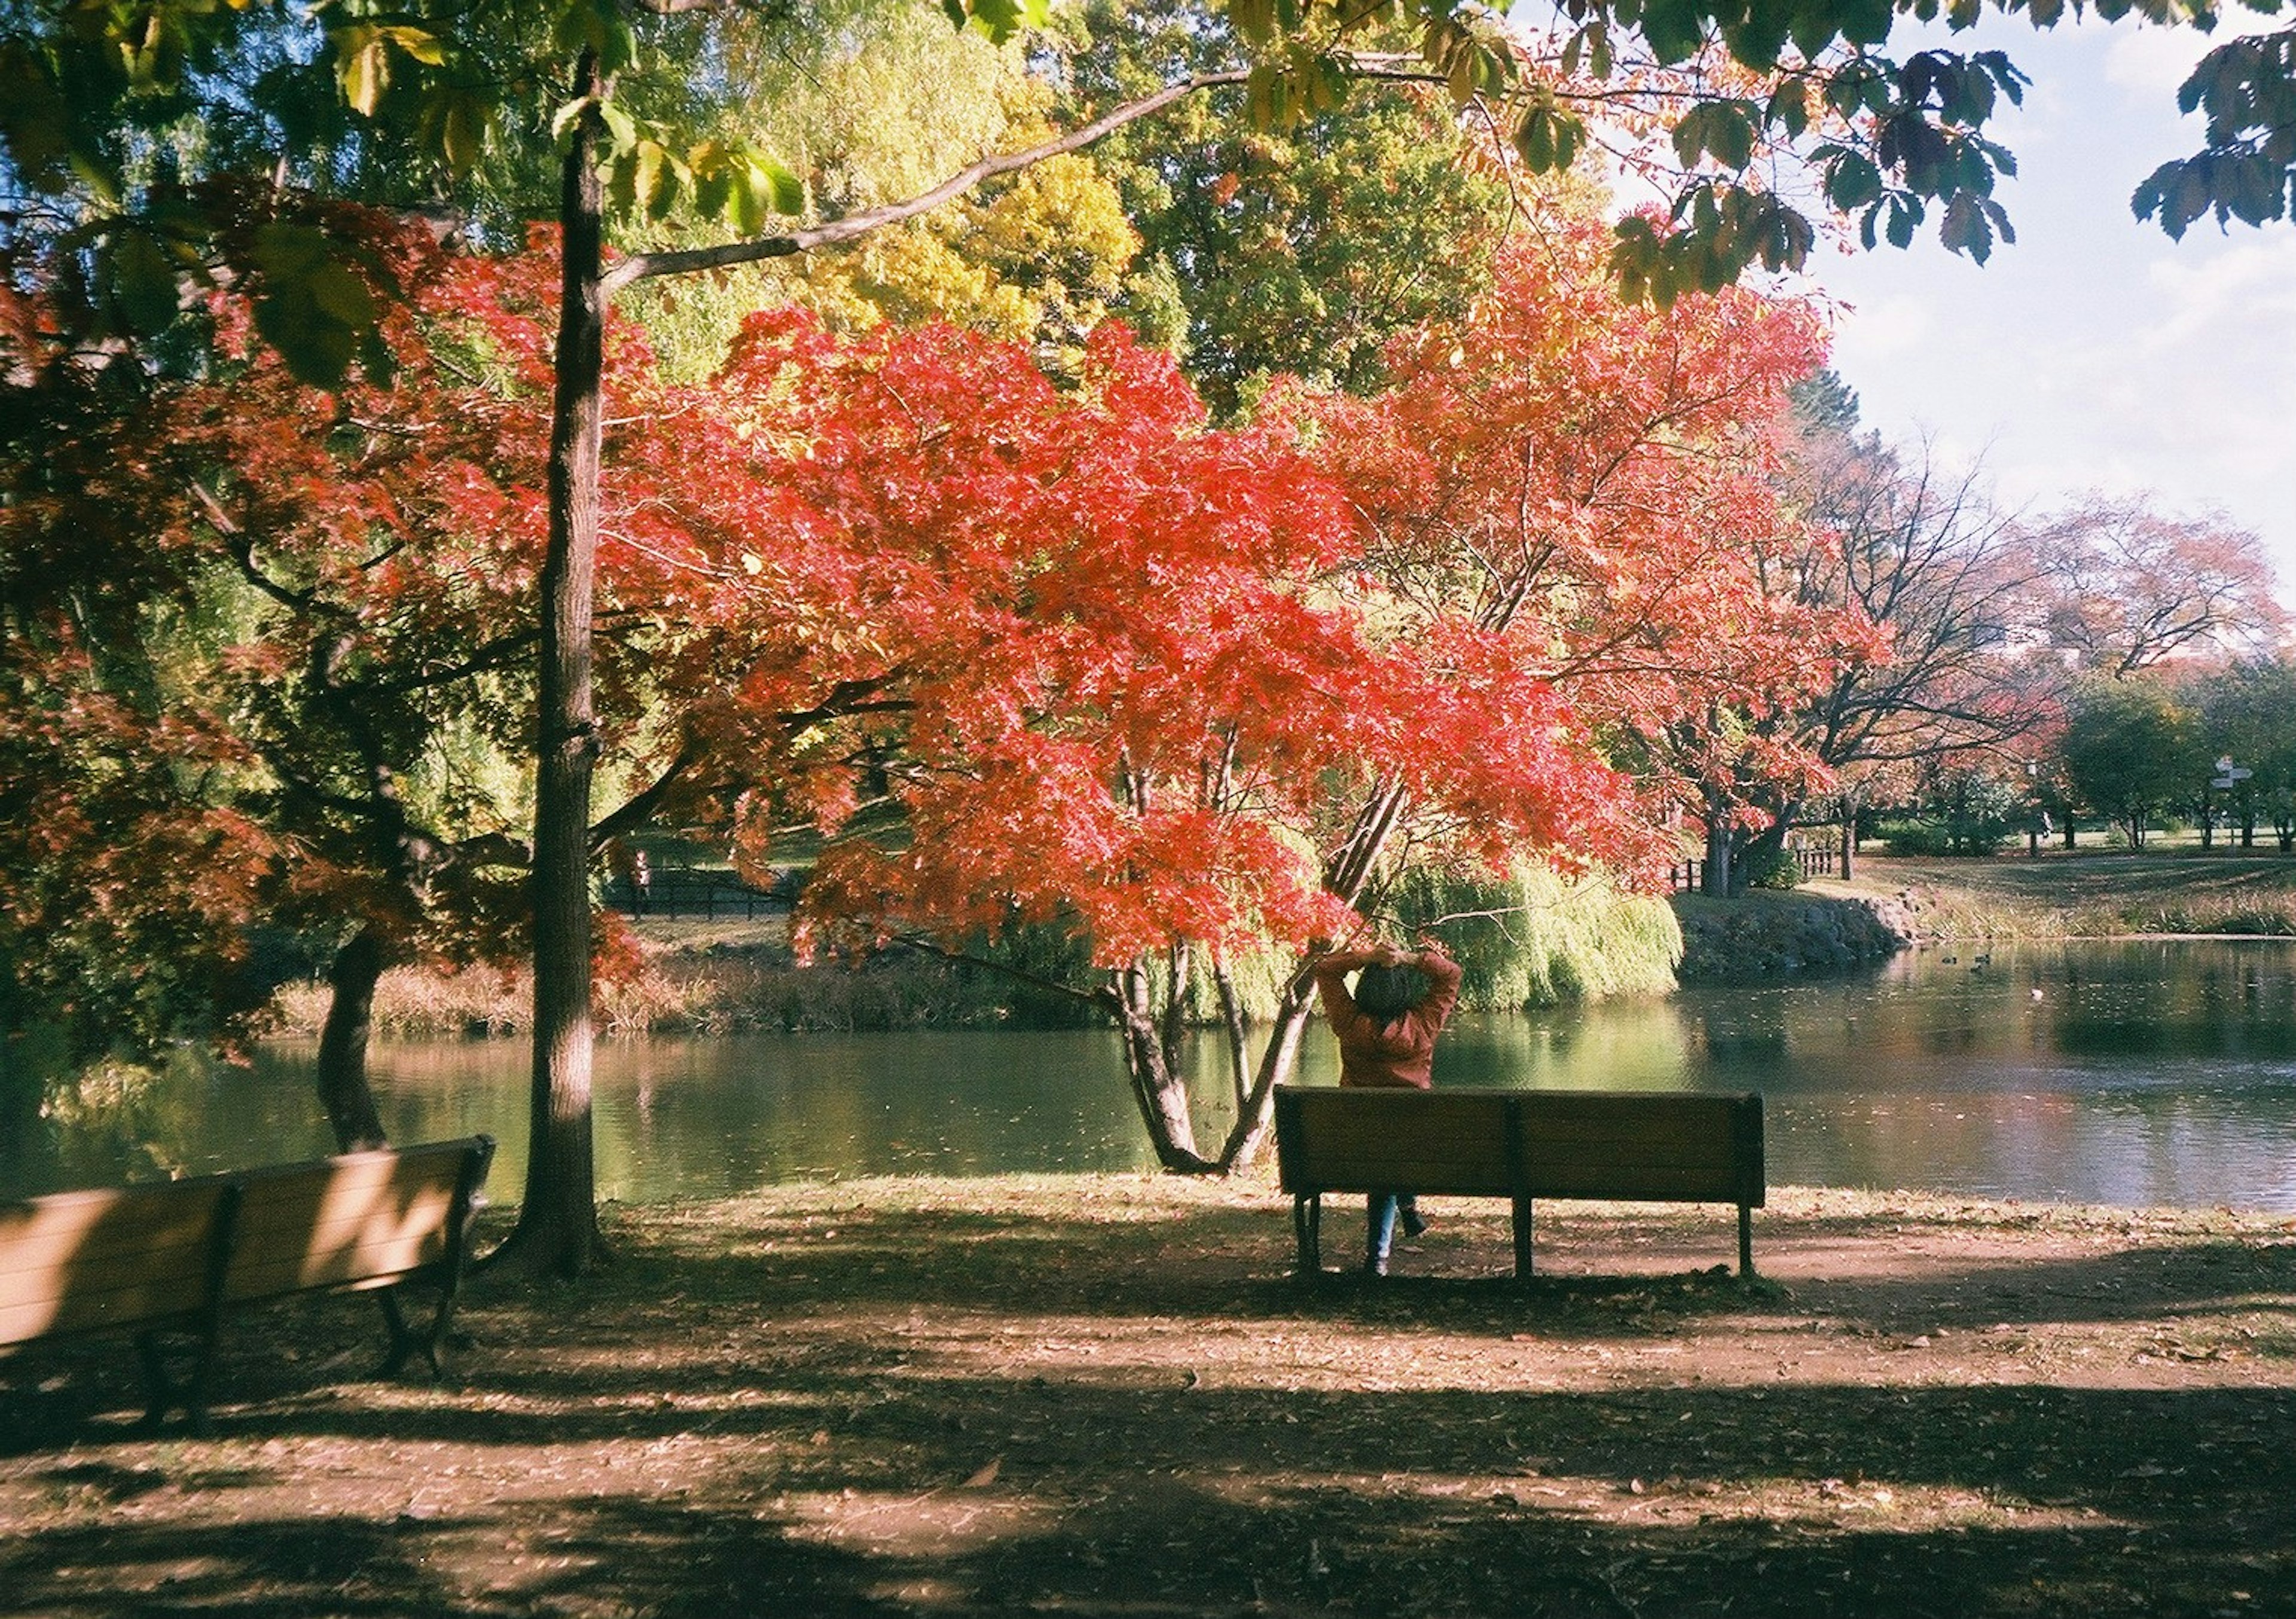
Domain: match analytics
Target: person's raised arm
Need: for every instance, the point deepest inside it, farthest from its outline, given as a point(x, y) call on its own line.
point(1332, 972)
point(1443, 978)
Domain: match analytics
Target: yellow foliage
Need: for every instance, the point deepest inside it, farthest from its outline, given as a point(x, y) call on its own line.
point(1037, 257)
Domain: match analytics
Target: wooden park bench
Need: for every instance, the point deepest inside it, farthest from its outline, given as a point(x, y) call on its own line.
point(1521, 1145)
point(170, 1261)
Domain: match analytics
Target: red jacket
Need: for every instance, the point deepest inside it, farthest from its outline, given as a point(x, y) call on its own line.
point(1401, 1052)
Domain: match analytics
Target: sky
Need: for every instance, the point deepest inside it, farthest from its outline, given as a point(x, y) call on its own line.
point(2094, 352)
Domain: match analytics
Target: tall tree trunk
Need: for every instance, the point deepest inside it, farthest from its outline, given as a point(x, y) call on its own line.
point(557, 1230)
point(1715, 872)
point(1158, 1088)
point(1277, 1063)
point(23, 1090)
point(343, 1039)
point(1239, 1062)
point(1850, 843)
point(1757, 851)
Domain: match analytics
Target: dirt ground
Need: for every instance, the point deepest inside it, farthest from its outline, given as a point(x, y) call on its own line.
point(1109, 1396)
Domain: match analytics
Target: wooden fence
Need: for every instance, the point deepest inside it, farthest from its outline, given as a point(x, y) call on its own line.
point(1819, 860)
point(679, 892)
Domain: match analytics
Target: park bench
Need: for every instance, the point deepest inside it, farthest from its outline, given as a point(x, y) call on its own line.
point(170, 1261)
point(1521, 1145)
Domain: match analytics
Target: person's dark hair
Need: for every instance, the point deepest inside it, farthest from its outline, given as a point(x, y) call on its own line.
point(1387, 993)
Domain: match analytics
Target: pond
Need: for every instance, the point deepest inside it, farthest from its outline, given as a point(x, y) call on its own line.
point(2130, 1072)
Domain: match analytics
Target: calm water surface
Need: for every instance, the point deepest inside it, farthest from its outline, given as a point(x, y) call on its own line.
point(2129, 1073)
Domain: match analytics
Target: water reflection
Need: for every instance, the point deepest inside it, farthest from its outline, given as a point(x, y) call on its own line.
point(2141, 1072)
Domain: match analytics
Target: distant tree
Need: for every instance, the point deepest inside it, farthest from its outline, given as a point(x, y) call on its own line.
point(2131, 751)
point(1825, 406)
point(2248, 714)
point(1922, 553)
point(2124, 586)
point(1591, 481)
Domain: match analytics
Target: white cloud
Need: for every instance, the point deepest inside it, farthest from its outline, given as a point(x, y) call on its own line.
point(2153, 62)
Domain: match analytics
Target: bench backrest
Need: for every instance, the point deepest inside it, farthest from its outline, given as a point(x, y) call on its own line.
point(359, 1219)
point(1657, 1147)
point(1636, 1145)
point(144, 1255)
point(85, 1261)
point(1451, 1142)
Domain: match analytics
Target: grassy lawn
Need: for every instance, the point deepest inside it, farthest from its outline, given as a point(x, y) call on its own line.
point(1107, 1396)
point(2081, 893)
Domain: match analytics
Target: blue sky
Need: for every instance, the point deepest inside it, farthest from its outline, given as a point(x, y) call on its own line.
point(2096, 353)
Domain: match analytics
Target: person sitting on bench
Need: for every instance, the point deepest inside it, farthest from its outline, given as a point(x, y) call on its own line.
point(1386, 1027)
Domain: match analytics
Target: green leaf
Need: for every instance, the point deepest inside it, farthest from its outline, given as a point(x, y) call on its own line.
point(462, 131)
point(563, 121)
point(340, 296)
point(1964, 229)
point(1674, 29)
point(363, 70)
point(1852, 182)
point(35, 119)
point(749, 206)
point(419, 44)
point(284, 252)
point(144, 281)
point(1789, 107)
point(781, 190)
point(621, 129)
point(1254, 20)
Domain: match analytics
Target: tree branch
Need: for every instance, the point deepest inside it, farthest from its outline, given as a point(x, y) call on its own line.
point(919, 942)
point(645, 266)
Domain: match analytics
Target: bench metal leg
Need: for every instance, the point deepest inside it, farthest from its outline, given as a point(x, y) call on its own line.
point(1307, 1226)
point(163, 1392)
point(1522, 1261)
point(405, 1342)
point(1745, 1240)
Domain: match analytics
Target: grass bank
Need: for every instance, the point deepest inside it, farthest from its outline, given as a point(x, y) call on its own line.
point(707, 978)
point(1532, 938)
point(1106, 1395)
point(2086, 895)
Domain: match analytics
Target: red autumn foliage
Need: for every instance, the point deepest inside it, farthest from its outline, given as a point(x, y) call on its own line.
point(1015, 654)
point(1584, 490)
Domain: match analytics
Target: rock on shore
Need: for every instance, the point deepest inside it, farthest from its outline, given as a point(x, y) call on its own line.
point(1771, 936)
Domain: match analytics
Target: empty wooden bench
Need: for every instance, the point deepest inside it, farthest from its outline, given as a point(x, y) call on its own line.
point(169, 1262)
point(1521, 1145)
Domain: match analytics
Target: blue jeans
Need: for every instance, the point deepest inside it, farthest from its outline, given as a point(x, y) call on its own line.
point(1381, 1212)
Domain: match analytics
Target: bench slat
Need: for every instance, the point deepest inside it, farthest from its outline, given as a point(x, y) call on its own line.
point(77, 1262)
point(1443, 1143)
point(341, 1222)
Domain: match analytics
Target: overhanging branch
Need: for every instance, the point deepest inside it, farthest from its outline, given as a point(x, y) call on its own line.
point(645, 267)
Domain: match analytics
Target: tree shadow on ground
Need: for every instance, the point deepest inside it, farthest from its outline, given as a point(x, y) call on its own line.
point(788, 1306)
point(1122, 1500)
point(981, 1412)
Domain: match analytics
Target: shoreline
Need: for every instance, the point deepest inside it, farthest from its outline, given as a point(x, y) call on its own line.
point(706, 978)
